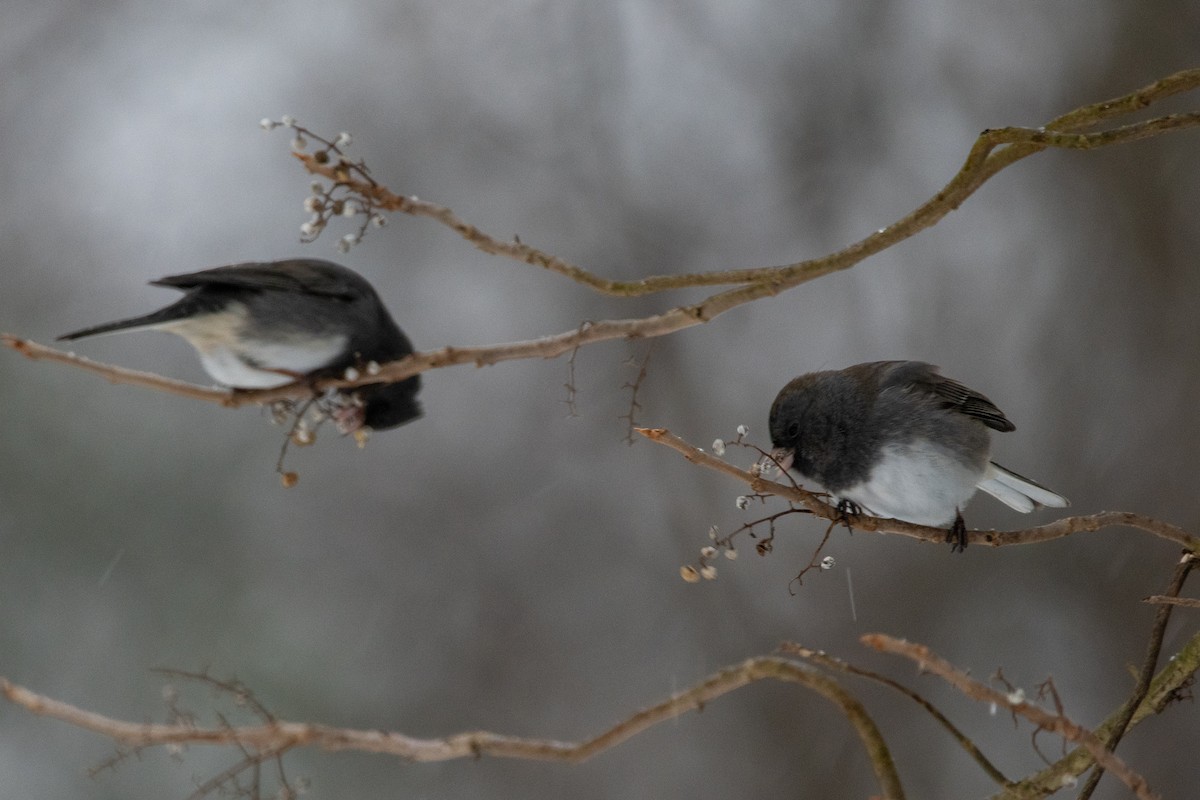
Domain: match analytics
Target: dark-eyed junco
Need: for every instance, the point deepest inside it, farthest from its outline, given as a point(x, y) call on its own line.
point(898, 440)
point(265, 324)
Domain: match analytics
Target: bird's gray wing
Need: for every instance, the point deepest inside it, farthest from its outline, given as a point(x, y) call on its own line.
point(917, 376)
point(308, 276)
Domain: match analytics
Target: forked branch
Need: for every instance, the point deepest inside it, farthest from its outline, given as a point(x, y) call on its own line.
point(1017, 703)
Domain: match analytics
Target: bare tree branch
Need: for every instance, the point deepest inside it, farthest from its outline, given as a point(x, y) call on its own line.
point(1153, 650)
point(813, 502)
point(993, 151)
point(1015, 702)
point(981, 164)
point(279, 736)
point(1185, 602)
point(1167, 686)
point(119, 375)
point(830, 662)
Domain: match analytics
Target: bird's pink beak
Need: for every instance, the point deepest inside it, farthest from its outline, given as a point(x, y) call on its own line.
point(783, 456)
point(349, 418)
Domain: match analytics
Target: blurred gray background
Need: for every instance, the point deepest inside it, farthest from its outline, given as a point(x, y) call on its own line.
point(499, 564)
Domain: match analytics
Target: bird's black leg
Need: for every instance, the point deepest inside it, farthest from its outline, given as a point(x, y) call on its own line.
point(846, 509)
point(957, 534)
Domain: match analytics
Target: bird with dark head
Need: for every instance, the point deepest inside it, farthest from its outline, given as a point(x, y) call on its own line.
point(897, 439)
point(262, 325)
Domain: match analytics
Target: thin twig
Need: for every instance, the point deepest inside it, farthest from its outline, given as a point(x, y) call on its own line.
point(812, 562)
point(1184, 602)
point(1015, 702)
point(572, 410)
point(634, 387)
point(251, 761)
point(238, 692)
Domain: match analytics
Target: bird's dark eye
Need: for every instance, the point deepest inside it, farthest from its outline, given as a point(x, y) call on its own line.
point(793, 430)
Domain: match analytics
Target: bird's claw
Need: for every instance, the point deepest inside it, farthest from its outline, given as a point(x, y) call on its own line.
point(956, 535)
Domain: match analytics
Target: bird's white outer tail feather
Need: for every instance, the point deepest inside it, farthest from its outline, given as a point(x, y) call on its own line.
point(1018, 492)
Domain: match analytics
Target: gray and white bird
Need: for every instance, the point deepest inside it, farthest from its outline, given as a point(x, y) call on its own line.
point(265, 324)
point(898, 440)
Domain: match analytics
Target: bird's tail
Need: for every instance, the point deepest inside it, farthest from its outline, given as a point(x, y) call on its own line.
point(1017, 491)
point(190, 305)
point(154, 320)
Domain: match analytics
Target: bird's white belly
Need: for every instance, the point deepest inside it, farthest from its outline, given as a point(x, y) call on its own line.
point(917, 482)
point(227, 368)
point(234, 360)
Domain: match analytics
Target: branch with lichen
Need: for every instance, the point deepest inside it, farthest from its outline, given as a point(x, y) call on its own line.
point(354, 192)
point(1016, 701)
point(1169, 685)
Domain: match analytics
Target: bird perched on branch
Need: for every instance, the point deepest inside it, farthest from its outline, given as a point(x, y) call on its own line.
point(898, 440)
point(266, 324)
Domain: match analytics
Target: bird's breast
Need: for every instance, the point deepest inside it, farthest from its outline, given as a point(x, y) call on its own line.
point(917, 482)
point(233, 353)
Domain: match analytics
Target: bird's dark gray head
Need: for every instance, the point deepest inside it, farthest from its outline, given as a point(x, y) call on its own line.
point(818, 427)
point(790, 418)
point(799, 412)
point(391, 405)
